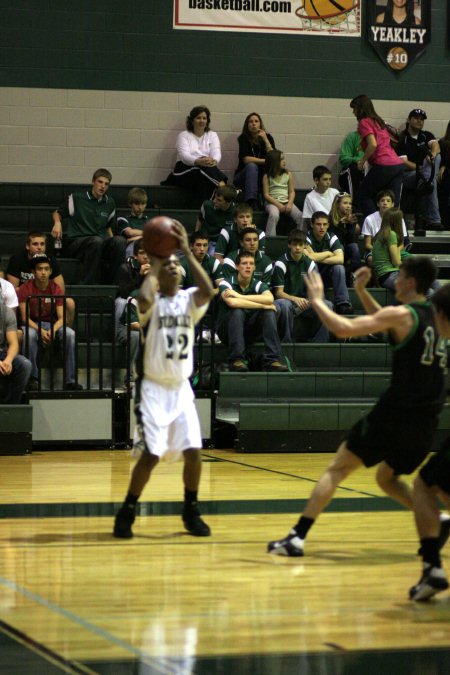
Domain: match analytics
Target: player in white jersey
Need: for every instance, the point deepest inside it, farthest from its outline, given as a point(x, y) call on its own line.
point(167, 424)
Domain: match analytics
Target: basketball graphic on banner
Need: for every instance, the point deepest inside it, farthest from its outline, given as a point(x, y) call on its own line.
point(397, 58)
point(330, 11)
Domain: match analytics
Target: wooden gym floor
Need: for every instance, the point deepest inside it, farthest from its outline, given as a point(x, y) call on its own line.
point(75, 600)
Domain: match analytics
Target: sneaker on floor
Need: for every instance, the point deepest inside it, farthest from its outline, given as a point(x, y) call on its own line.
point(193, 521)
point(216, 338)
point(432, 581)
point(344, 308)
point(32, 384)
point(276, 367)
point(73, 386)
point(206, 337)
point(291, 546)
point(123, 521)
point(239, 366)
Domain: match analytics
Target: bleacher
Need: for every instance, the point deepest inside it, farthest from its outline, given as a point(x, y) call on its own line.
point(307, 409)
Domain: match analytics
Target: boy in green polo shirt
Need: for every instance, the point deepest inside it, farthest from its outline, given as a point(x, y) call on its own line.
point(91, 215)
point(249, 243)
point(290, 290)
point(131, 227)
point(217, 213)
point(228, 239)
point(326, 250)
point(247, 310)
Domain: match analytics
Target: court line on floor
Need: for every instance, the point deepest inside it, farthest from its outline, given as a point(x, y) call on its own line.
point(161, 664)
point(285, 473)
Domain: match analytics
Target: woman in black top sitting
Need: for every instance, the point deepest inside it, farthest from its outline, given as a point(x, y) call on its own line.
point(254, 144)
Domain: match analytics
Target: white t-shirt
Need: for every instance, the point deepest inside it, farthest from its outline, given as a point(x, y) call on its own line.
point(169, 340)
point(315, 201)
point(191, 147)
point(372, 224)
point(9, 294)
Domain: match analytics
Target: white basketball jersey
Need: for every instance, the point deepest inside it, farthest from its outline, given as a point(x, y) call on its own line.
point(170, 338)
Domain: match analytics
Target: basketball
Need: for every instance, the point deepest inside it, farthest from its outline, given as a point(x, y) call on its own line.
point(158, 237)
point(331, 11)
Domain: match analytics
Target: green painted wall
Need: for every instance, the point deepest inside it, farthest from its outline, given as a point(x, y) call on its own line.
point(120, 45)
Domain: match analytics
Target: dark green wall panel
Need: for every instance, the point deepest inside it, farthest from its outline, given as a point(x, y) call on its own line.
point(122, 46)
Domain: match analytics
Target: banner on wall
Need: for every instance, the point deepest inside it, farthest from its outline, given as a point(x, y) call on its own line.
point(399, 30)
point(308, 17)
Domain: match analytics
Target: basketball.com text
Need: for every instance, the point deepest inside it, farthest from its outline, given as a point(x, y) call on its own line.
point(277, 6)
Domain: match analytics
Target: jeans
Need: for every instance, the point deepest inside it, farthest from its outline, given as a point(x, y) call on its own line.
point(248, 179)
point(430, 202)
point(379, 178)
point(288, 310)
point(122, 337)
point(12, 386)
point(274, 216)
point(388, 281)
point(32, 344)
point(352, 255)
point(334, 275)
point(241, 327)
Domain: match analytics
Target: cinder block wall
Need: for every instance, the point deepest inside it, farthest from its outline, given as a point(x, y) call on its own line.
point(84, 85)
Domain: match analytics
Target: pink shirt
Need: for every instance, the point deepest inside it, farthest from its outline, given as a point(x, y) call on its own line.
point(384, 154)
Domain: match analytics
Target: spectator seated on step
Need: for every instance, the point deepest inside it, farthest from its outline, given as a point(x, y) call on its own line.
point(132, 225)
point(15, 369)
point(228, 239)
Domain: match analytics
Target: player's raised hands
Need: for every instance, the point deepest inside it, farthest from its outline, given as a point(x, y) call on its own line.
point(314, 284)
point(362, 278)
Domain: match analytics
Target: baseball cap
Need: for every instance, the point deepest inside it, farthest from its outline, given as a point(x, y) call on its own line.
point(40, 258)
point(418, 112)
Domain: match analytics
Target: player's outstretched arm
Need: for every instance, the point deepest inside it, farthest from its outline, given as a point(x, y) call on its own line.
point(387, 318)
point(362, 278)
point(205, 289)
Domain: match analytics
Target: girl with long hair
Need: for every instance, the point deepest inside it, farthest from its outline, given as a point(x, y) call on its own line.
point(344, 223)
point(254, 144)
point(387, 248)
point(385, 166)
point(399, 13)
point(279, 192)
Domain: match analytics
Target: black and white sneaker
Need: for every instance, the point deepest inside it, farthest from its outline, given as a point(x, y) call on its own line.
point(291, 546)
point(432, 581)
point(193, 521)
point(123, 521)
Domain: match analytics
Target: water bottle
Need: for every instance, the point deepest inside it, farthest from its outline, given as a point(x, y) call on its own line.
point(58, 246)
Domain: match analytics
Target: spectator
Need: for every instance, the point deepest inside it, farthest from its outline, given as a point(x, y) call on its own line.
point(421, 149)
point(45, 320)
point(399, 13)
point(249, 243)
point(228, 239)
point(386, 167)
point(350, 153)
point(14, 369)
point(372, 223)
point(326, 250)
point(444, 179)
point(131, 275)
point(387, 246)
point(345, 226)
point(279, 192)
point(8, 295)
point(290, 290)
point(217, 213)
point(20, 269)
point(254, 144)
point(129, 317)
point(90, 238)
point(131, 227)
point(212, 267)
point(198, 156)
point(247, 310)
point(321, 196)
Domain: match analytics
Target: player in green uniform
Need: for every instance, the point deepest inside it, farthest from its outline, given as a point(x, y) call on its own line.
point(398, 432)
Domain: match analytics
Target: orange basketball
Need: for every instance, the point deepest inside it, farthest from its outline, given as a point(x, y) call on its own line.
point(158, 237)
point(332, 11)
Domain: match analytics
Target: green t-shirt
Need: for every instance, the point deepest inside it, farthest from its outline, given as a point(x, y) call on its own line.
point(381, 259)
point(214, 220)
point(263, 266)
point(254, 288)
point(288, 274)
point(135, 222)
point(88, 216)
point(211, 265)
point(228, 240)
